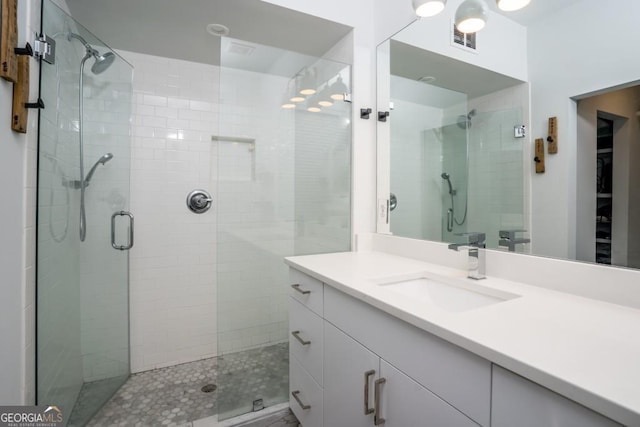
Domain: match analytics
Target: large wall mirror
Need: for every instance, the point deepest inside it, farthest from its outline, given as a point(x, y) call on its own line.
point(452, 151)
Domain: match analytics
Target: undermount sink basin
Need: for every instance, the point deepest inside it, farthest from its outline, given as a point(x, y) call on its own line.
point(450, 294)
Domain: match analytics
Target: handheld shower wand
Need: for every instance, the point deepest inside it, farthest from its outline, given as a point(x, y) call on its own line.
point(101, 161)
point(451, 216)
point(447, 178)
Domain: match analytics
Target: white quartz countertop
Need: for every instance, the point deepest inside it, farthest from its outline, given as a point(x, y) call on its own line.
point(584, 349)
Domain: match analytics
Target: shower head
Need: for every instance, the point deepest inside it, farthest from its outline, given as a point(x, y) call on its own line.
point(464, 122)
point(447, 178)
point(105, 158)
point(102, 62)
point(101, 161)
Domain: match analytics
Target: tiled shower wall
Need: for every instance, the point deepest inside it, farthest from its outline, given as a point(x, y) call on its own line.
point(173, 270)
point(498, 189)
point(256, 213)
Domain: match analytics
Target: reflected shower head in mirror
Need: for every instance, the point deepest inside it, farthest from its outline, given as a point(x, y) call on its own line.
point(102, 62)
point(464, 122)
point(446, 177)
point(101, 161)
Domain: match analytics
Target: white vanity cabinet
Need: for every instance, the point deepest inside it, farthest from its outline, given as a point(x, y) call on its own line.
point(350, 371)
point(306, 348)
point(361, 389)
point(353, 365)
point(456, 376)
point(519, 402)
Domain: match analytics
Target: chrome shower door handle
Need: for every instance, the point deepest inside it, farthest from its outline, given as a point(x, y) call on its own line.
point(129, 244)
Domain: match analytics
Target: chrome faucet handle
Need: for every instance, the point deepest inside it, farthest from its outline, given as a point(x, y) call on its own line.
point(510, 234)
point(476, 238)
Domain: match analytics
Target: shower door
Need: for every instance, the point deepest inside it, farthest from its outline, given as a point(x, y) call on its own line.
point(283, 189)
point(82, 354)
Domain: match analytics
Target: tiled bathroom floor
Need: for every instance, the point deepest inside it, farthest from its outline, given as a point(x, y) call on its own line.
point(172, 396)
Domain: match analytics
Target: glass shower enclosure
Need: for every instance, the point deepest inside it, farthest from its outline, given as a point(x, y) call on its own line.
point(283, 189)
point(456, 166)
point(82, 286)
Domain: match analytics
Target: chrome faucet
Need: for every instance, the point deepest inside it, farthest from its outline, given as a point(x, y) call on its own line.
point(476, 268)
point(508, 238)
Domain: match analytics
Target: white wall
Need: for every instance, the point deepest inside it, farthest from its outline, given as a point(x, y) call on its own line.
point(578, 50)
point(497, 52)
point(17, 216)
point(172, 267)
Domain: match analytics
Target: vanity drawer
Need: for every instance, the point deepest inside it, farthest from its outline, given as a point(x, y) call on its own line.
point(457, 376)
point(306, 338)
point(305, 396)
point(307, 290)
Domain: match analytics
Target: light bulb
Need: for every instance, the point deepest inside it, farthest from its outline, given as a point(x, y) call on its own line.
point(429, 7)
point(511, 5)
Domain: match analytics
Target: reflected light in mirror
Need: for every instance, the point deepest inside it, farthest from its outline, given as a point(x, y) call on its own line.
point(308, 84)
point(471, 16)
point(338, 89)
point(426, 8)
point(324, 99)
point(511, 5)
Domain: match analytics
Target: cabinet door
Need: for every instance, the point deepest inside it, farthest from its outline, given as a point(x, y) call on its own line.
point(405, 403)
point(517, 401)
point(346, 364)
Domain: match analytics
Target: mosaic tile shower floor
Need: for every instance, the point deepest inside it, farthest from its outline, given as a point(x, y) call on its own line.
point(172, 396)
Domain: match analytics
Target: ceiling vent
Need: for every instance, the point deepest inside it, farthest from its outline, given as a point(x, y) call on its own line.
point(465, 41)
point(240, 49)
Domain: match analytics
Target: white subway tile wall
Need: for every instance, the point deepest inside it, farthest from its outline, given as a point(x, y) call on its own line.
point(256, 187)
point(497, 185)
point(173, 263)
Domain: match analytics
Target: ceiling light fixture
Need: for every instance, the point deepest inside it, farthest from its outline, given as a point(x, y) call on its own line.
point(338, 89)
point(308, 83)
point(471, 16)
point(425, 8)
point(324, 98)
point(312, 104)
point(511, 5)
point(217, 30)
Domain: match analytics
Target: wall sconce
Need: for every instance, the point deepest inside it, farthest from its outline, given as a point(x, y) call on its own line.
point(471, 16)
point(425, 8)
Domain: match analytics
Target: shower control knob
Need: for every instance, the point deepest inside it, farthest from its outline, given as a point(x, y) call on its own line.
point(199, 201)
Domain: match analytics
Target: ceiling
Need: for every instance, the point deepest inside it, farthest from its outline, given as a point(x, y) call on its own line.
point(177, 29)
point(411, 62)
point(535, 11)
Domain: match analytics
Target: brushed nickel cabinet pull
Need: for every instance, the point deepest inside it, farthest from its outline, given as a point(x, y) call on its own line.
point(297, 288)
point(367, 375)
point(377, 419)
point(296, 335)
point(302, 405)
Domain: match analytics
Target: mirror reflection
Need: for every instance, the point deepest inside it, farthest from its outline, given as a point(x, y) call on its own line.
point(466, 111)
